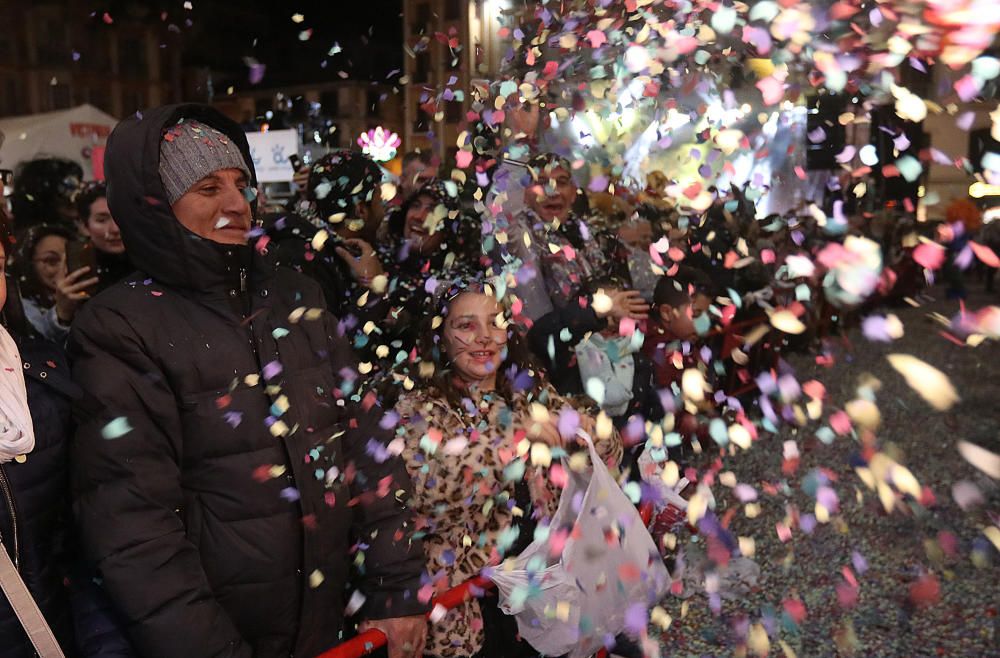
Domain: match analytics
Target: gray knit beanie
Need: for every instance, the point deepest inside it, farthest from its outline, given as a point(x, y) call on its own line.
point(191, 150)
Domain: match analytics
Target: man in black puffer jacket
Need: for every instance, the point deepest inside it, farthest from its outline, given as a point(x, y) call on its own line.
point(226, 474)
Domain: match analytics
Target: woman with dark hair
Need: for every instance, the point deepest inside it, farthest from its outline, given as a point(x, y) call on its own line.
point(477, 410)
point(51, 295)
point(36, 527)
point(430, 241)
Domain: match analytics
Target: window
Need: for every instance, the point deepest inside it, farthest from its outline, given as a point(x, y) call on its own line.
point(330, 101)
point(133, 100)
point(9, 98)
point(372, 102)
point(422, 70)
point(422, 123)
point(60, 97)
point(421, 18)
point(52, 43)
point(453, 112)
point(132, 58)
point(452, 10)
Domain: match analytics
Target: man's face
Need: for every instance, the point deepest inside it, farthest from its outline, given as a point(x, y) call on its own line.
point(416, 174)
point(101, 228)
point(217, 207)
point(551, 197)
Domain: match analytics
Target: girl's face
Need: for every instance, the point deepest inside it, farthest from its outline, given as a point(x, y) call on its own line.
point(475, 339)
point(49, 260)
point(423, 227)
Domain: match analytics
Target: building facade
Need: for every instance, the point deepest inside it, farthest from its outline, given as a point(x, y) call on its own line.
point(449, 46)
point(50, 61)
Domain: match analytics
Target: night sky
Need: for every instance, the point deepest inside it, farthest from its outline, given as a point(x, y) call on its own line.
point(220, 34)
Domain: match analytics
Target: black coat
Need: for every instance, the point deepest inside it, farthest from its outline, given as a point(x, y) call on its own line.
point(291, 243)
point(39, 488)
point(222, 471)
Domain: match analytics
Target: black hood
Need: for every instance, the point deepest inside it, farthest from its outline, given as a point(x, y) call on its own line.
point(156, 243)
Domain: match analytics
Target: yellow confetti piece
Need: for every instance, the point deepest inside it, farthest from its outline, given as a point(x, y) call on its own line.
point(787, 322)
point(276, 471)
point(932, 384)
point(660, 617)
point(670, 474)
point(740, 436)
point(604, 426)
point(602, 303)
point(993, 534)
point(319, 239)
point(281, 404)
point(539, 414)
point(864, 413)
point(697, 507)
point(364, 367)
point(251, 380)
point(747, 546)
point(316, 579)
point(752, 510)
point(279, 428)
point(541, 455)
point(727, 479)
point(789, 652)
point(563, 609)
point(986, 461)
point(758, 642)
point(579, 462)
point(693, 385)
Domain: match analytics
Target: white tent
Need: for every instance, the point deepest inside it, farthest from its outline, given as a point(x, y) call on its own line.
point(71, 134)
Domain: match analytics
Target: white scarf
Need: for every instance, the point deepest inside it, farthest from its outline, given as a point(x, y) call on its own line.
point(17, 437)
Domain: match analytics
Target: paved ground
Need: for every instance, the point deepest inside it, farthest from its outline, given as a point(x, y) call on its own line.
point(927, 580)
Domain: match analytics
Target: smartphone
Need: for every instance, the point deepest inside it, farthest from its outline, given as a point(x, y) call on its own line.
point(295, 161)
point(80, 253)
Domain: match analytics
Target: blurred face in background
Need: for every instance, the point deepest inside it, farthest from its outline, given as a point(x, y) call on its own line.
point(49, 260)
point(101, 228)
point(415, 175)
point(424, 225)
point(637, 234)
point(552, 195)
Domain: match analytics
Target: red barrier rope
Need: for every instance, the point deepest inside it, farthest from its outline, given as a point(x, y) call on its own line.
point(370, 640)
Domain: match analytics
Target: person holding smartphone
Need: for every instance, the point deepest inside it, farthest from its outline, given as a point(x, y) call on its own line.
point(52, 287)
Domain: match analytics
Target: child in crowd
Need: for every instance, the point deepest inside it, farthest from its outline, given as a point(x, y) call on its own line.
point(680, 302)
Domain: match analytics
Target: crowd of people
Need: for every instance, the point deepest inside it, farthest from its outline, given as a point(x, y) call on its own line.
point(292, 422)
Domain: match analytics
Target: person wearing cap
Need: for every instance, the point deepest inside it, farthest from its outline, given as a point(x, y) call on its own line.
point(225, 475)
point(329, 238)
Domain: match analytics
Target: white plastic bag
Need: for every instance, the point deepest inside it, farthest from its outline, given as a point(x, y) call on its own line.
point(610, 362)
point(570, 602)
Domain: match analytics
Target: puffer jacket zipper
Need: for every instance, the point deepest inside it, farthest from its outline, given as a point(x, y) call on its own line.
point(247, 312)
point(8, 495)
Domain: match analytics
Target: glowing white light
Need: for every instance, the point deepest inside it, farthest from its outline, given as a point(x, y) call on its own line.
point(379, 144)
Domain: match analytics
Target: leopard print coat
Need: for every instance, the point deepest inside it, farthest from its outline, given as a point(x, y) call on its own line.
point(464, 463)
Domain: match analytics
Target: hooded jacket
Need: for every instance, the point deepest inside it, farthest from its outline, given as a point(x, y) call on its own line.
point(225, 474)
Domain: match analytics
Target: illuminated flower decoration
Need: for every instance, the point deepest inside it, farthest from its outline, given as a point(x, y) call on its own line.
point(379, 144)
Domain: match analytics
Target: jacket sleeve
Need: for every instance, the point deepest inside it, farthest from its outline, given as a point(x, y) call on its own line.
point(128, 499)
point(391, 560)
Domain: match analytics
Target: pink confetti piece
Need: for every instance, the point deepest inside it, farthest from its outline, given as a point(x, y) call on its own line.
point(929, 255)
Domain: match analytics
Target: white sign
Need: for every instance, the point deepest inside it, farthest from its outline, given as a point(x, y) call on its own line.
point(270, 152)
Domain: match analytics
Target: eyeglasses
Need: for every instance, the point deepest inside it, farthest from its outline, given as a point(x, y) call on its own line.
point(6, 176)
point(51, 261)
